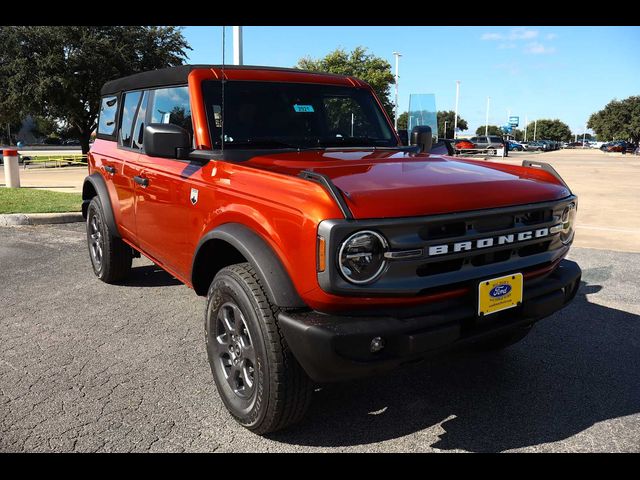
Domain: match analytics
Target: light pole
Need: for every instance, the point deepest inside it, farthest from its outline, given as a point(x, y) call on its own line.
point(397, 55)
point(237, 46)
point(526, 123)
point(455, 118)
point(584, 133)
point(445, 128)
point(535, 129)
point(486, 123)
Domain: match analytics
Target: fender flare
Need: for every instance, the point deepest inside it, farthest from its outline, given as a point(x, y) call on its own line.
point(96, 182)
point(272, 274)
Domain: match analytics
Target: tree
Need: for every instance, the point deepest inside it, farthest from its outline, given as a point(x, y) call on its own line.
point(376, 71)
point(403, 121)
point(448, 117)
point(618, 119)
point(549, 130)
point(57, 72)
point(493, 130)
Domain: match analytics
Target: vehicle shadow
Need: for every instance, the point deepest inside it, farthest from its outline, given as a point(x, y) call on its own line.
point(576, 368)
point(150, 276)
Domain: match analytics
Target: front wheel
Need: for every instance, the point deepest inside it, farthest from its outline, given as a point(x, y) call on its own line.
point(258, 378)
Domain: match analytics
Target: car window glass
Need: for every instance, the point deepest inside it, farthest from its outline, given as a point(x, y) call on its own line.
point(171, 105)
point(345, 118)
point(138, 129)
point(129, 106)
point(108, 109)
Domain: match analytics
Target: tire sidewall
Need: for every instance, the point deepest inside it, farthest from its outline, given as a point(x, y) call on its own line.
point(95, 209)
point(226, 288)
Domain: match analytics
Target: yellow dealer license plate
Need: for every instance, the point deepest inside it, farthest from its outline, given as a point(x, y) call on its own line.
point(499, 294)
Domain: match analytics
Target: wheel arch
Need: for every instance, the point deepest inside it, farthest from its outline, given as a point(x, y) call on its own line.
point(232, 243)
point(94, 185)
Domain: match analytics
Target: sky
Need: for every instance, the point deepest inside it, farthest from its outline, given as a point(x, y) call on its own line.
point(532, 72)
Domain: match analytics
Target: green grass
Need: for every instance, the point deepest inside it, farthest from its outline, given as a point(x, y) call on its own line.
point(30, 200)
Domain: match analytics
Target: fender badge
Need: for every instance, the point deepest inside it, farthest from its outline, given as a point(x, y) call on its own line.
point(194, 196)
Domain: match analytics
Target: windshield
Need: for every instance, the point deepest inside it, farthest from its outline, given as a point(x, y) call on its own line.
point(294, 115)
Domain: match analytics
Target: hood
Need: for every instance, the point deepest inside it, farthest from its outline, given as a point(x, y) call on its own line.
point(387, 183)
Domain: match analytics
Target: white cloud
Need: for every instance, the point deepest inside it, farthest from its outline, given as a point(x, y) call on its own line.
point(492, 36)
point(551, 36)
point(522, 34)
point(537, 48)
point(504, 46)
point(514, 34)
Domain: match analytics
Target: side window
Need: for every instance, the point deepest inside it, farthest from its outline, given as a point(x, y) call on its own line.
point(107, 121)
point(138, 128)
point(171, 105)
point(129, 107)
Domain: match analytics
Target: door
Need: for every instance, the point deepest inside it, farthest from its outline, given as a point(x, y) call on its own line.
point(163, 191)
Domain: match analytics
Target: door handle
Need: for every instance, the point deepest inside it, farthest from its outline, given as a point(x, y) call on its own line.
point(141, 181)
point(110, 169)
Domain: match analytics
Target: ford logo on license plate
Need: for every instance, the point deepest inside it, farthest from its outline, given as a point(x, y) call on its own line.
point(500, 291)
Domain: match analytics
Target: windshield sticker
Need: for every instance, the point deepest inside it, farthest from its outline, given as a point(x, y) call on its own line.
point(303, 108)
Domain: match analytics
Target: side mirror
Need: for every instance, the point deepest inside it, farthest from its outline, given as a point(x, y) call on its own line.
point(166, 140)
point(421, 136)
point(404, 137)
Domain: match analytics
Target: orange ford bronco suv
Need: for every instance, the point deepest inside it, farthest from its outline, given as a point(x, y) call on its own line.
point(326, 249)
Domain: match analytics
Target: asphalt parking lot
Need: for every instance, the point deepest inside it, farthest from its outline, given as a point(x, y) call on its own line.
point(86, 366)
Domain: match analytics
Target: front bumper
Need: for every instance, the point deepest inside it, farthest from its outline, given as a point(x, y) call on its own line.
point(333, 347)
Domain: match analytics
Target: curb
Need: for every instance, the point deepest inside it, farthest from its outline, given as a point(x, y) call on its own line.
point(15, 219)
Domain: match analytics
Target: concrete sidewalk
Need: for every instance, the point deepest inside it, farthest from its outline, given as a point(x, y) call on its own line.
point(63, 179)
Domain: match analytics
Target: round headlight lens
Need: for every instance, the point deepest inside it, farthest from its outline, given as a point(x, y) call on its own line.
point(568, 223)
point(361, 256)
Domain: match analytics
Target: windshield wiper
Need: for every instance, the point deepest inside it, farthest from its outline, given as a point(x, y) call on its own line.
point(261, 143)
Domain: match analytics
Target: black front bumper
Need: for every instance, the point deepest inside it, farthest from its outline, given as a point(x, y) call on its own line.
point(335, 347)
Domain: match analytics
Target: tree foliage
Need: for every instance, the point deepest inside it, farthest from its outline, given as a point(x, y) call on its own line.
point(619, 119)
point(403, 121)
point(449, 116)
point(376, 71)
point(549, 130)
point(493, 130)
point(57, 71)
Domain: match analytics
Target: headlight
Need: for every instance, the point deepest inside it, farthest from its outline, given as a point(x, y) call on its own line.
point(568, 223)
point(361, 257)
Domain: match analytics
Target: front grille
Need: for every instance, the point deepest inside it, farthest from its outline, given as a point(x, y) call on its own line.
point(468, 255)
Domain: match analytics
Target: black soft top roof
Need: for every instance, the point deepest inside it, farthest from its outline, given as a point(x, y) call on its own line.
point(177, 76)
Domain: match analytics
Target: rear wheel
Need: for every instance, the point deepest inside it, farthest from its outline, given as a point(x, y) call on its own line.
point(258, 378)
point(110, 256)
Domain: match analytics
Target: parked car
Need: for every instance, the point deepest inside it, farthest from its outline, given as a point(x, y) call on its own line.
point(490, 142)
point(575, 145)
point(326, 250)
point(463, 144)
point(515, 146)
point(537, 146)
point(618, 146)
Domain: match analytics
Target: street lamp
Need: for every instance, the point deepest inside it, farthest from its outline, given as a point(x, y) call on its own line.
point(455, 119)
point(237, 46)
point(486, 123)
point(445, 128)
point(397, 55)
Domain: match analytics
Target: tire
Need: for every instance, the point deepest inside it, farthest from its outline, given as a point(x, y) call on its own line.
point(267, 389)
point(502, 341)
point(110, 256)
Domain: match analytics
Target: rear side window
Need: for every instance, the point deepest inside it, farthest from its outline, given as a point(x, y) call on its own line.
point(107, 120)
point(129, 107)
point(495, 139)
point(171, 105)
